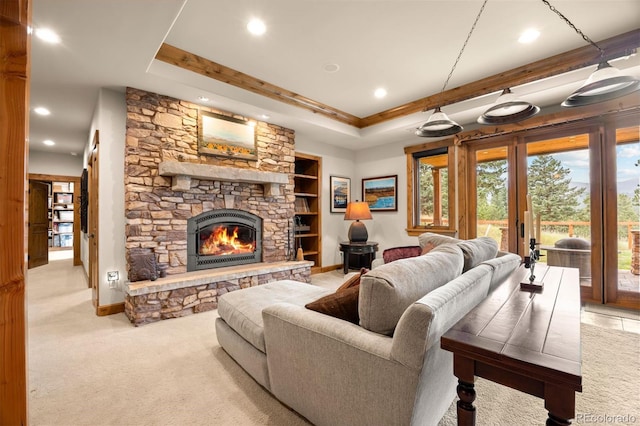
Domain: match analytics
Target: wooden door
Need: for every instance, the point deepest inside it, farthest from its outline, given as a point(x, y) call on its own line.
point(93, 171)
point(38, 224)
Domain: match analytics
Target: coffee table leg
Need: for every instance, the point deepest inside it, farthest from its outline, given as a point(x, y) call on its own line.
point(466, 410)
point(557, 421)
point(560, 403)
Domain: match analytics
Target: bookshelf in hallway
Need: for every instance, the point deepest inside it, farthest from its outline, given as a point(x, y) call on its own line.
point(307, 221)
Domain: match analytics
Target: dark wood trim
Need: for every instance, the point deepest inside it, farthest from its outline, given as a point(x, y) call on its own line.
point(15, 50)
point(104, 310)
point(620, 45)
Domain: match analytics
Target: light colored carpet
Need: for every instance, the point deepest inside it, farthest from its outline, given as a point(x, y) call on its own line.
point(89, 370)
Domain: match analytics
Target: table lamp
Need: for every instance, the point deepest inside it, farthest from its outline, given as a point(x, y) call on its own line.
point(357, 211)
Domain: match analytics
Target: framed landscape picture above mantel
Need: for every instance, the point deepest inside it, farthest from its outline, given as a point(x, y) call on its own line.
point(381, 193)
point(226, 136)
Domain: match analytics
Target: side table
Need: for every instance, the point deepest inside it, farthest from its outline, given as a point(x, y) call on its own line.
point(365, 253)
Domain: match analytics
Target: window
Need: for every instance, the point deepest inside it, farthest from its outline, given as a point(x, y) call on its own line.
point(432, 188)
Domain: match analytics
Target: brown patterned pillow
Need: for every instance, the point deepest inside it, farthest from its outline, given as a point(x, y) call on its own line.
point(396, 253)
point(353, 281)
point(342, 304)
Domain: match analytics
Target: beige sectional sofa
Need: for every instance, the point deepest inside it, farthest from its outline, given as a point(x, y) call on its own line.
point(386, 370)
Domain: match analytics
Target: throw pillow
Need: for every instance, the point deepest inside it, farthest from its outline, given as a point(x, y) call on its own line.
point(477, 251)
point(342, 304)
point(427, 248)
point(395, 253)
point(353, 281)
point(431, 238)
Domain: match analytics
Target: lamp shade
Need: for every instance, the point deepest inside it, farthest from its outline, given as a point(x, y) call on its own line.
point(358, 210)
point(438, 125)
point(508, 109)
point(604, 84)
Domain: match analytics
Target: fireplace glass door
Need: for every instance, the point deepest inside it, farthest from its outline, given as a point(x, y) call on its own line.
point(226, 239)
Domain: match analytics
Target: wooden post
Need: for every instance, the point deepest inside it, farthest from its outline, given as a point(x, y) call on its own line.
point(15, 18)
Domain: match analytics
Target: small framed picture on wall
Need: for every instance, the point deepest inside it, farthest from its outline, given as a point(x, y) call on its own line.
point(340, 193)
point(381, 193)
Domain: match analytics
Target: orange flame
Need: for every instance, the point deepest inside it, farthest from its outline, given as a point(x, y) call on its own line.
point(221, 243)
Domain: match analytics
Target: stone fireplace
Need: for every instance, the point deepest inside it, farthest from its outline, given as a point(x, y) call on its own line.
point(224, 237)
point(174, 194)
point(168, 182)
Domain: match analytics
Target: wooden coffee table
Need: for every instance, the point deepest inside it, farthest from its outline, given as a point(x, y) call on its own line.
point(527, 341)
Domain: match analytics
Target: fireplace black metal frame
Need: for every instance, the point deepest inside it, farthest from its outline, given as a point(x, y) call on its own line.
point(229, 217)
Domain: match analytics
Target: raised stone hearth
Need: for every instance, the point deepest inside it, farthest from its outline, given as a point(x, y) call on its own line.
point(192, 292)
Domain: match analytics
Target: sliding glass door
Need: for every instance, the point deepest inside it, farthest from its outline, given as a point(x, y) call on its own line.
point(622, 206)
point(585, 192)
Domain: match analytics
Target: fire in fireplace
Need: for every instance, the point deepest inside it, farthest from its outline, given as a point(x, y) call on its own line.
point(223, 237)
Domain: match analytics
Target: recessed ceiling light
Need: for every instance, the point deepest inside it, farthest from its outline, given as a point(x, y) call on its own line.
point(45, 34)
point(75, 154)
point(257, 27)
point(48, 142)
point(41, 111)
point(529, 36)
point(331, 67)
point(203, 98)
point(265, 117)
point(380, 93)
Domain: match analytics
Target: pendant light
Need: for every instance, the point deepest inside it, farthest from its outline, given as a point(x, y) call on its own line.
point(604, 84)
point(439, 125)
point(508, 109)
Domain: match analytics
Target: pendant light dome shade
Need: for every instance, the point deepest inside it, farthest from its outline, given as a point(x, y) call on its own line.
point(438, 125)
point(604, 84)
point(508, 109)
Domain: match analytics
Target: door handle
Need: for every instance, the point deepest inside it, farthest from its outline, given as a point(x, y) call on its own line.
point(92, 235)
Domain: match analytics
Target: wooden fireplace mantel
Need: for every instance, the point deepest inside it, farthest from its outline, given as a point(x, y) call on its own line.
point(183, 172)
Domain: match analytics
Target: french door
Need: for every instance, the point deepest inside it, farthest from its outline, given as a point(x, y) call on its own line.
point(584, 186)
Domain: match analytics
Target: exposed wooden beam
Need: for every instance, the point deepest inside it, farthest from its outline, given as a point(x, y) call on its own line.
point(614, 47)
point(621, 45)
point(192, 62)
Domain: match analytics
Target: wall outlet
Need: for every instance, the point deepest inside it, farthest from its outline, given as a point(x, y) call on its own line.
point(113, 276)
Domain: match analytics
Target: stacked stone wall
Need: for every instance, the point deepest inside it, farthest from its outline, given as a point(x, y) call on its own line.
point(160, 128)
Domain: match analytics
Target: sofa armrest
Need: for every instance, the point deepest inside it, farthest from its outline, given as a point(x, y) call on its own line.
point(424, 322)
point(502, 266)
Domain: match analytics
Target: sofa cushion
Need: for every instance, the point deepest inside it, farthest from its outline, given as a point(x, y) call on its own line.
point(477, 250)
point(385, 292)
point(432, 239)
point(342, 304)
point(242, 309)
point(396, 253)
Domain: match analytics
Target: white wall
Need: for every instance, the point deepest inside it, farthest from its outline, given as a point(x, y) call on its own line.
point(48, 163)
point(110, 120)
point(386, 228)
